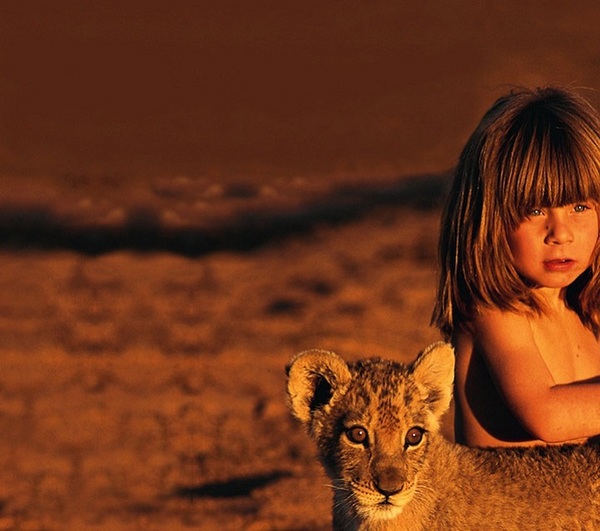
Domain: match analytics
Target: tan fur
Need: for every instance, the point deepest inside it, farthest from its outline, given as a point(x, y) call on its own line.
point(385, 483)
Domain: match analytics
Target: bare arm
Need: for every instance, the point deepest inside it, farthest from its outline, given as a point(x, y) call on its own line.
point(550, 412)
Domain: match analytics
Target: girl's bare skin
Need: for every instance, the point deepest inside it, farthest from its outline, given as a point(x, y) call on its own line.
point(519, 291)
point(523, 381)
point(543, 367)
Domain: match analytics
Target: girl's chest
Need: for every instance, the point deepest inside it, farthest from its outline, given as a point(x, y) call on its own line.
point(570, 350)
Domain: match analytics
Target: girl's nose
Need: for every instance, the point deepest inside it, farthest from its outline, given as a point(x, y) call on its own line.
point(558, 229)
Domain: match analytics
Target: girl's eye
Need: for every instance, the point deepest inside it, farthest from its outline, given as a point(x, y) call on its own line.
point(581, 208)
point(357, 434)
point(414, 436)
point(535, 212)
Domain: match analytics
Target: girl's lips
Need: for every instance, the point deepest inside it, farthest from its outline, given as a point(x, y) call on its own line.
point(559, 265)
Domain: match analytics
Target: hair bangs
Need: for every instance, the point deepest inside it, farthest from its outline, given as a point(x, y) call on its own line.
point(547, 164)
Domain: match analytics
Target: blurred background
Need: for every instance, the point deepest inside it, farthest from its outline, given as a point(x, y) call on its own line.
point(190, 193)
point(270, 90)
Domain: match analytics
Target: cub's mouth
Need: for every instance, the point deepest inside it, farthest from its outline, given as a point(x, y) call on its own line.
point(377, 505)
point(385, 510)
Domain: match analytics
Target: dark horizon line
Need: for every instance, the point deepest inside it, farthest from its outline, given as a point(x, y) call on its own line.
point(38, 228)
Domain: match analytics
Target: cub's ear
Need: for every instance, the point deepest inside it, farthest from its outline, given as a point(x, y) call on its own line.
point(315, 378)
point(433, 371)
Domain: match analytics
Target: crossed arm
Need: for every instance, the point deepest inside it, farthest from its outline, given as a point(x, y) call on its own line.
point(549, 411)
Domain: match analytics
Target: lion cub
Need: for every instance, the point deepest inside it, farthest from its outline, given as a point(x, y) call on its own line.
point(376, 424)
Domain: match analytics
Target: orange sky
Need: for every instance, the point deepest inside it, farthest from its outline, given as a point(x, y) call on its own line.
point(270, 88)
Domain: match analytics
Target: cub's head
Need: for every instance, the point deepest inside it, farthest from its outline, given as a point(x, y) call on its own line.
point(372, 421)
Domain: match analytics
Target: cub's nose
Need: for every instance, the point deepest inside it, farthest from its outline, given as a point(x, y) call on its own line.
point(389, 481)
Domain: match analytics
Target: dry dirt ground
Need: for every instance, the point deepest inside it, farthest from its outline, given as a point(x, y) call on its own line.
point(145, 390)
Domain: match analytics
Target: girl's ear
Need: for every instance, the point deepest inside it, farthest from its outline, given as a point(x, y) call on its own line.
point(316, 378)
point(433, 371)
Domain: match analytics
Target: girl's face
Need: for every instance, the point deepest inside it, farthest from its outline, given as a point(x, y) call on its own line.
point(553, 246)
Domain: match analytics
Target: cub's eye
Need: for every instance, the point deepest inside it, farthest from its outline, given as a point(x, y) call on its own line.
point(357, 435)
point(414, 436)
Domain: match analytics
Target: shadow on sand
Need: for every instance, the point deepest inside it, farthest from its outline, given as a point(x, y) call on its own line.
point(232, 488)
point(40, 228)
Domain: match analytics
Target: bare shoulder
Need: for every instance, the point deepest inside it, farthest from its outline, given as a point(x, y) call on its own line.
point(505, 337)
point(502, 324)
point(496, 334)
point(494, 328)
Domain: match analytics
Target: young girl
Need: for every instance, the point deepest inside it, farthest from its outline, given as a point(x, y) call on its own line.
point(519, 287)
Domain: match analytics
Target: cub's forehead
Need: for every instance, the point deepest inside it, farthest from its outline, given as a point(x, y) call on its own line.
point(379, 368)
point(381, 391)
point(380, 377)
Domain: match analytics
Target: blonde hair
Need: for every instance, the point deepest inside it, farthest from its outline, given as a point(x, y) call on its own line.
point(532, 148)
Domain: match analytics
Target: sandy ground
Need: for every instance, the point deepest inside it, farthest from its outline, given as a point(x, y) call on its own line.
point(145, 390)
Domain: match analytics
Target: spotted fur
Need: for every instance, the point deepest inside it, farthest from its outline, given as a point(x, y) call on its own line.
point(376, 424)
